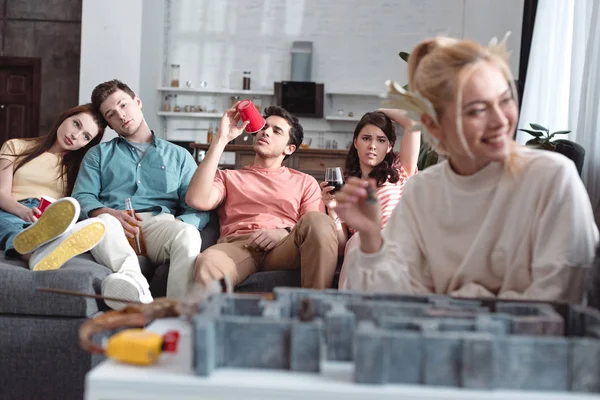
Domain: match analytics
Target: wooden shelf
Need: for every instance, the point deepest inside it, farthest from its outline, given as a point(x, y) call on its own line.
point(204, 91)
point(347, 119)
point(183, 114)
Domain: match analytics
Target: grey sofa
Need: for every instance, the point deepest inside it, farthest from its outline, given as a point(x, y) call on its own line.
point(39, 353)
point(40, 356)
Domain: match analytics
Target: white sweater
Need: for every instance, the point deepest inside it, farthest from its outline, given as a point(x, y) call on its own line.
point(528, 235)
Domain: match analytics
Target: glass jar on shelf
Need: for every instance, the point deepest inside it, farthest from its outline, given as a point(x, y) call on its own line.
point(175, 75)
point(167, 103)
point(246, 80)
point(174, 105)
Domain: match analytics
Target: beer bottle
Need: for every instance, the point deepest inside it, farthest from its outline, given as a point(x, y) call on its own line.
point(137, 242)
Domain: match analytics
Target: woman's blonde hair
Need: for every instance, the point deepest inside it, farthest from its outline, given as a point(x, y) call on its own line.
point(438, 69)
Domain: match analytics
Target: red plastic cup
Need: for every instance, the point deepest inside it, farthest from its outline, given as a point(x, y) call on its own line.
point(45, 201)
point(248, 112)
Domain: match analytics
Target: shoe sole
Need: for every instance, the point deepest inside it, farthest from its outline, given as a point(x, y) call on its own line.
point(120, 289)
point(78, 242)
point(53, 223)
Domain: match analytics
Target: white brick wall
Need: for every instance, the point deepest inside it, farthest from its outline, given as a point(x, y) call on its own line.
point(355, 42)
point(355, 47)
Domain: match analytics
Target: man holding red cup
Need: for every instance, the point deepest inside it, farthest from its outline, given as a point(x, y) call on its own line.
point(249, 114)
point(272, 217)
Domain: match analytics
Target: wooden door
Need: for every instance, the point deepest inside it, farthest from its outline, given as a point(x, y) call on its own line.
point(20, 87)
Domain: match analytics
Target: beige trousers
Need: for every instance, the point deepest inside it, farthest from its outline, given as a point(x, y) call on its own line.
point(311, 246)
point(167, 239)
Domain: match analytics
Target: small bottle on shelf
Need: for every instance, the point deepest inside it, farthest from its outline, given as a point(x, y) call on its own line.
point(176, 106)
point(246, 80)
point(167, 103)
point(175, 75)
point(209, 134)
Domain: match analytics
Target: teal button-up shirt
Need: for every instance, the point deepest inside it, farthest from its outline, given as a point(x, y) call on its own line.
point(112, 171)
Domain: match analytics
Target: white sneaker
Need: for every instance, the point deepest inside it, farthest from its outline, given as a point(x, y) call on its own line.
point(126, 287)
point(57, 219)
point(77, 240)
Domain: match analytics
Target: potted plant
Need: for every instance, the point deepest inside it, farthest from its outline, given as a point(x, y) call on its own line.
point(542, 138)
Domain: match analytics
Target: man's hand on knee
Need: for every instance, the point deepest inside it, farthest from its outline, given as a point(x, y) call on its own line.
point(265, 239)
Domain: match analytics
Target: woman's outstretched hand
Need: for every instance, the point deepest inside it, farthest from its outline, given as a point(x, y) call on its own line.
point(360, 211)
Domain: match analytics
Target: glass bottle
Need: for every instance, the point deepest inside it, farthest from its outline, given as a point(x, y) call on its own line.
point(137, 242)
point(175, 75)
point(209, 134)
point(175, 104)
point(246, 80)
point(167, 103)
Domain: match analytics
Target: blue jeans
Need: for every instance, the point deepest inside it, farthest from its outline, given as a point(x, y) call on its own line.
point(11, 225)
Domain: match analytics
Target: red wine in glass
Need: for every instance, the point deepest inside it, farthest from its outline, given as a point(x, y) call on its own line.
point(334, 178)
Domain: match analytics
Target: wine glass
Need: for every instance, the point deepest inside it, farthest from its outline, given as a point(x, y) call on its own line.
point(334, 178)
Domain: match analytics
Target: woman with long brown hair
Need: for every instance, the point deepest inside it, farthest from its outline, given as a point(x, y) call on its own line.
point(372, 156)
point(44, 166)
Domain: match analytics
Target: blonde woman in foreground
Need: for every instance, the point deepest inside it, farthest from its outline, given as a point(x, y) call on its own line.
point(495, 219)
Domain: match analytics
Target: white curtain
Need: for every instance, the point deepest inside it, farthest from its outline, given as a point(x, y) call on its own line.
point(547, 87)
point(587, 119)
point(562, 89)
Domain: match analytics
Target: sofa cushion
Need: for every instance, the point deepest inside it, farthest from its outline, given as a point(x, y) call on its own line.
point(18, 285)
point(266, 281)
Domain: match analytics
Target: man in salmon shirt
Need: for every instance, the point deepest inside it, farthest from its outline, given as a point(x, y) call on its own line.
point(272, 217)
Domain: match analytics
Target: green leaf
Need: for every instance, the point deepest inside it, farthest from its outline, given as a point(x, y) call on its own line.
point(404, 55)
point(405, 87)
point(533, 133)
point(538, 127)
point(559, 133)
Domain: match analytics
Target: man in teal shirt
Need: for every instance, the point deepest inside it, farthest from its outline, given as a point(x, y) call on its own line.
point(154, 174)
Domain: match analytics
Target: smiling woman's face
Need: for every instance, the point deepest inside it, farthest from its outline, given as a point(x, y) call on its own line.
point(488, 114)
